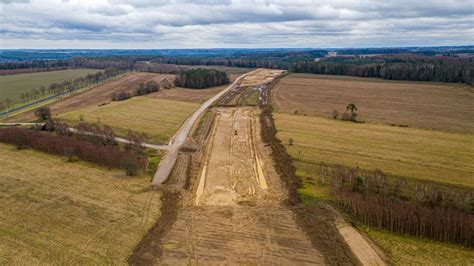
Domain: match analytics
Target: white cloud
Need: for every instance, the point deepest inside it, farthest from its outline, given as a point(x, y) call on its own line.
point(234, 23)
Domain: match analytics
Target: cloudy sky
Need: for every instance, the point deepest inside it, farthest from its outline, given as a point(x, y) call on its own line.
point(234, 23)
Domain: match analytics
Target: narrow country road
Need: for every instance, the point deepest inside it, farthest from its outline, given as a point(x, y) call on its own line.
point(167, 162)
point(118, 139)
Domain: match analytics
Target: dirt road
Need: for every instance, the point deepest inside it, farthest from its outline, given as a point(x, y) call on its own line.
point(168, 161)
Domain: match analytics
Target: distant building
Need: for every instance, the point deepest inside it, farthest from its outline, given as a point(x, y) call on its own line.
point(317, 59)
point(332, 54)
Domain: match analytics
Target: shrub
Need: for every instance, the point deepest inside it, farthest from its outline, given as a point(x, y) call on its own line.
point(290, 141)
point(120, 96)
point(69, 153)
point(346, 116)
point(335, 114)
point(131, 164)
point(20, 140)
point(43, 113)
point(149, 87)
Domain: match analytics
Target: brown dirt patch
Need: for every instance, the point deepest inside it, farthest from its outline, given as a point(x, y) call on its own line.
point(433, 106)
point(95, 96)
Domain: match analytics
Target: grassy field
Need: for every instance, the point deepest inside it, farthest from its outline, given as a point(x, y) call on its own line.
point(415, 153)
point(446, 107)
point(408, 250)
point(94, 96)
point(55, 212)
point(12, 86)
point(158, 118)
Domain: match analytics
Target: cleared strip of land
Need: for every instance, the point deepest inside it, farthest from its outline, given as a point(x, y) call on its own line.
point(446, 107)
point(55, 212)
point(416, 153)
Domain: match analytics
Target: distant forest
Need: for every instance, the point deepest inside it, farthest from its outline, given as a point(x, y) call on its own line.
point(414, 64)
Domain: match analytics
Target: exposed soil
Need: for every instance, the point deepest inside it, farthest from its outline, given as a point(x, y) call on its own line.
point(239, 199)
point(236, 215)
point(98, 95)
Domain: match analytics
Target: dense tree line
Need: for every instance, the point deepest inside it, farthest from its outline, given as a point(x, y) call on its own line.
point(421, 210)
point(437, 70)
point(201, 78)
point(108, 156)
point(89, 142)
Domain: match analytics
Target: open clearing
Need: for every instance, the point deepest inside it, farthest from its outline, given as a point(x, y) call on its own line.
point(54, 212)
point(159, 119)
point(12, 86)
point(415, 153)
point(95, 96)
point(445, 107)
point(237, 217)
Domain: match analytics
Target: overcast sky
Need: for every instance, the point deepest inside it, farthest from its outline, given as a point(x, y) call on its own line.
point(233, 23)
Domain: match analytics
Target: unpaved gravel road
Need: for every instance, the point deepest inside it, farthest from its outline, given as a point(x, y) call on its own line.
point(168, 161)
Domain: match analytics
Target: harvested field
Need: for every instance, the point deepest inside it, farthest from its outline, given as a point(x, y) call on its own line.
point(187, 95)
point(446, 107)
point(95, 96)
point(55, 212)
point(13, 85)
point(414, 153)
point(159, 119)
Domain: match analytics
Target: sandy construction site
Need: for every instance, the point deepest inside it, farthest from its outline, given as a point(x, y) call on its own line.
point(235, 214)
point(230, 200)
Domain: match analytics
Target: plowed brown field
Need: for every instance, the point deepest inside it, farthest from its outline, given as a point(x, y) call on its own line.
point(446, 107)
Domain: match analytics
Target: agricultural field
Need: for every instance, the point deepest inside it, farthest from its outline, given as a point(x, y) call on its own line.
point(95, 96)
point(187, 95)
point(58, 212)
point(12, 86)
point(437, 145)
point(408, 250)
point(446, 107)
point(414, 153)
point(158, 118)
